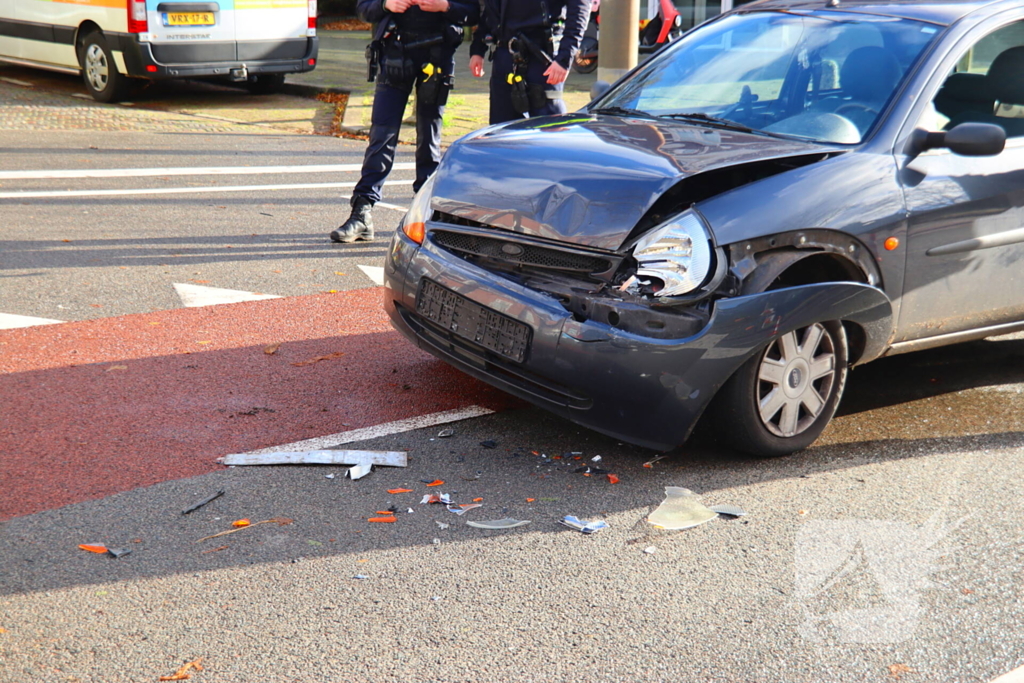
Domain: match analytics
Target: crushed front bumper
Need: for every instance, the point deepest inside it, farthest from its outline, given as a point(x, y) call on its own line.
point(645, 391)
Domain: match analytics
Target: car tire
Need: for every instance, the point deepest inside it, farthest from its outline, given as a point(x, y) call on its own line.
point(265, 84)
point(781, 399)
point(99, 71)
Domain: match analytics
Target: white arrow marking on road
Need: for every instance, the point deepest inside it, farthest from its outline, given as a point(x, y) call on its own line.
point(197, 170)
point(385, 429)
point(9, 321)
point(195, 295)
point(375, 273)
point(185, 190)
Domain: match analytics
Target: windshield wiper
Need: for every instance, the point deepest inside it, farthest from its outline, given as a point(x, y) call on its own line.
point(623, 111)
point(721, 123)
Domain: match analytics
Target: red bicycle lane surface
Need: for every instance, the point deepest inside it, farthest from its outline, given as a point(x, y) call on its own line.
point(97, 407)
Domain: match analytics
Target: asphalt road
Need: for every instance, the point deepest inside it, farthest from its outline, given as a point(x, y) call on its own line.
point(891, 550)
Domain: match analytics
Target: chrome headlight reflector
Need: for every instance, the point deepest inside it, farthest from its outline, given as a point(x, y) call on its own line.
point(678, 252)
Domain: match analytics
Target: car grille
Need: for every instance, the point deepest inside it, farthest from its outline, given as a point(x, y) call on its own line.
point(518, 253)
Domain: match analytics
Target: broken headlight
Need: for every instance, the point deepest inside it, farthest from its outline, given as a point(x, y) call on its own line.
point(678, 253)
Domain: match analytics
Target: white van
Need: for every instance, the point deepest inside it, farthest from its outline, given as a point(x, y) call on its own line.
point(254, 42)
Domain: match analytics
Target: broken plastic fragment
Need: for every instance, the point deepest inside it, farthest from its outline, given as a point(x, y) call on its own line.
point(444, 498)
point(445, 433)
point(359, 471)
point(204, 501)
point(463, 509)
point(94, 547)
point(581, 526)
point(329, 476)
point(436, 482)
point(726, 509)
point(399, 490)
point(360, 576)
point(489, 444)
point(388, 519)
point(182, 673)
point(240, 523)
point(680, 510)
point(118, 552)
point(596, 458)
point(441, 525)
point(650, 550)
point(613, 478)
point(507, 523)
point(650, 463)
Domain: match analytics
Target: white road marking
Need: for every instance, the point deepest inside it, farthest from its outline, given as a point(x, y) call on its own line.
point(9, 321)
point(375, 273)
point(15, 81)
point(193, 296)
point(187, 171)
point(386, 429)
point(396, 207)
point(1015, 676)
point(184, 190)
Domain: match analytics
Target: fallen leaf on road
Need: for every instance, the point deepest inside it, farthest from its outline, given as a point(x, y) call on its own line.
point(897, 670)
point(311, 361)
point(271, 349)
point(182, 673)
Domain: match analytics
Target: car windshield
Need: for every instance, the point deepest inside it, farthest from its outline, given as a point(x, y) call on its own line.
point(823, 76)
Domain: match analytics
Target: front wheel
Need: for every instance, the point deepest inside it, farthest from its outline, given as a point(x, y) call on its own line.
point(780, 400)
point(99, 71)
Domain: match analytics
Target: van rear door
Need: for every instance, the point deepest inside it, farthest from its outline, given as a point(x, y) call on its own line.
point(272, 29)
point(193, 32)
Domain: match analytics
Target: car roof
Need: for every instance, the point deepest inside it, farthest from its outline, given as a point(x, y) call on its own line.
point(944, 12)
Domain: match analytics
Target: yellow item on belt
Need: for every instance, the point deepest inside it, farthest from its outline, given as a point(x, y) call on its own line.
point(429, 69)
point(514, 78)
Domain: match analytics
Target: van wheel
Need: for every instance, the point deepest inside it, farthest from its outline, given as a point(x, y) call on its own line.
point(102, 79)
point(780, 400)
point(265, 84)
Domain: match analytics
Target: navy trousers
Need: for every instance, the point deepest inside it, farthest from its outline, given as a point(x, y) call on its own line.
point(501, 92)
point(389, 101)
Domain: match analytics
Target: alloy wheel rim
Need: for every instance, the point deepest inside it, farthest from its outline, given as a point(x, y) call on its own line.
point(796, 377)
point(96, 67)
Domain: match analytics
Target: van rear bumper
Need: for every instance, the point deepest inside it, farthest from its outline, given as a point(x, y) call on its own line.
point(193, 60)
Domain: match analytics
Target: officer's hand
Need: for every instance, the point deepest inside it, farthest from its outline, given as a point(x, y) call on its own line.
point(556, 74)
point(398, 6)
point(433, 5)
point(476, 65)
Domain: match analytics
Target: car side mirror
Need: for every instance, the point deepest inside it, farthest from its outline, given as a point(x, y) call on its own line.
point(966, 139)
point(599, 88)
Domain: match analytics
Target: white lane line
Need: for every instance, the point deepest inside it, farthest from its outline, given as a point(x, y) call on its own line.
point(9, 321)
point(386, 429)
point(375, 273)
point(193, 296)
point(1015, 676)
point(396, 207)
point(187, 171)
point(184, 190)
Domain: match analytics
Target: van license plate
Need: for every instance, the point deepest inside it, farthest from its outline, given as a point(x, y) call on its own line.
point(190, 19)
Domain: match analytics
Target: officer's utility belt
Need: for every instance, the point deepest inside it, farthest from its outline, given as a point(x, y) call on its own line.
point(400, 58)
point(528, 96)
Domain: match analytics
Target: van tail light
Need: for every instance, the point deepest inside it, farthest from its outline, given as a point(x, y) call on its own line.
point(137, 22)
point(312, 14)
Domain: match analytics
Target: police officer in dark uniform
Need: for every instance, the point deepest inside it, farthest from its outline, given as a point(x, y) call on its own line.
point(533, 43)
point(413, 45)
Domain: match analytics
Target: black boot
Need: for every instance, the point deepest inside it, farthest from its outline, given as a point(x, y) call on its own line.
point(359, 225)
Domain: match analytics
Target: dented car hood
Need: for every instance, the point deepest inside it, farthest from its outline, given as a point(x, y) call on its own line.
point(586, 179)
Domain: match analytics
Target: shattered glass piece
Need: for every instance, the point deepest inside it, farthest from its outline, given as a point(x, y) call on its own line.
point(680, 510)
point(118, 552)
point(726, 509)
point(464, 508)
point(582, 526)
point(507, 523)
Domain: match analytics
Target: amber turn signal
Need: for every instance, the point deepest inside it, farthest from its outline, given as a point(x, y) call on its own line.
point(891, 243)
point(415, 232)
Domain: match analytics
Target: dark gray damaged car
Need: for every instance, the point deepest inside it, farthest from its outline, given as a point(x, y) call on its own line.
point(790, 190)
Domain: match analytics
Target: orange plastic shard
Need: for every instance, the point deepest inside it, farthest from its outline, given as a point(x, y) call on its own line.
point(477, 500)
point(530, 500)
point(93, 547)
point(240, 523)
point(386, 513)
point(387, 520)
point(182, 673)
point(613, 479)
point(436, 482)
point(399, 490)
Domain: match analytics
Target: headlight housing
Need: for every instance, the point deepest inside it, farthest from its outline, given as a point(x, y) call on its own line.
point(414, 225)
point(677, 252)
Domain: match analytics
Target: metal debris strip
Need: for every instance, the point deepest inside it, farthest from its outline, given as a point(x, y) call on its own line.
point(583, 526)
point(728, 510)
point(506, 523)
point(325, 457)
point(680, 510)
point(204, 501)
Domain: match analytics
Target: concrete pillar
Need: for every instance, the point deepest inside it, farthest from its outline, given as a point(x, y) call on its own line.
point(620, 33)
